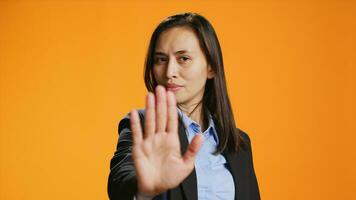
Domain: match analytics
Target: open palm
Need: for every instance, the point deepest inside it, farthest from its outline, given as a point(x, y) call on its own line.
point(158, 162)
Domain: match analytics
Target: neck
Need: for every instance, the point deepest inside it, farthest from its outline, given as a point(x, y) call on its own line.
point(194, 112)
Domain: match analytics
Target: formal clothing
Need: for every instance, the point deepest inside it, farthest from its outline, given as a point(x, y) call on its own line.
point(214, 180)
point(122, 183)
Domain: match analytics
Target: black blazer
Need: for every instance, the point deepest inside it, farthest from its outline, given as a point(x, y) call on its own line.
point(122, 183)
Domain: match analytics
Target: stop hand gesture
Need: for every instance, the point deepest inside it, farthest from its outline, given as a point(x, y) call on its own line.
point(158, 162)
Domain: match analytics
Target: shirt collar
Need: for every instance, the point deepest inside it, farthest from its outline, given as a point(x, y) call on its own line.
point(187, 121)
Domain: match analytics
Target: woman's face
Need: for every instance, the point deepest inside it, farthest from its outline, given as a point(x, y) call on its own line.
point(180, 65)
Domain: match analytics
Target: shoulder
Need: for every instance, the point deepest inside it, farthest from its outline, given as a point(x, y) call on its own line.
point(245, 141)
point(244, 135)
point(125, 121)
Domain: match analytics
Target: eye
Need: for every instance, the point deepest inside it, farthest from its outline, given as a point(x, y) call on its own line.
point(183, 59)
point(160, 60)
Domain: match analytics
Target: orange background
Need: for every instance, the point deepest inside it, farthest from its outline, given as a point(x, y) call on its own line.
point(70, 70)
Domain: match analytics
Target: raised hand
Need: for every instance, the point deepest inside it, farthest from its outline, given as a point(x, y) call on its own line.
point(158, 162)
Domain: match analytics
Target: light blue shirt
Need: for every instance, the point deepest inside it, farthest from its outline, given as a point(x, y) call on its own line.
point(214, 180)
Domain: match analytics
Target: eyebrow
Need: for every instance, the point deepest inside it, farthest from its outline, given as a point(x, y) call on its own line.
point(177, 52)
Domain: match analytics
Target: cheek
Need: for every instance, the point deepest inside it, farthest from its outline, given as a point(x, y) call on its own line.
point(157, 73)
point(197, 75)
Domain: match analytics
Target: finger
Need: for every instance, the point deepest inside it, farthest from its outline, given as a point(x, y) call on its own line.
point(172, 124)
point(161, 109)
point(193, 149)
point(135, 127)
point(149, 116)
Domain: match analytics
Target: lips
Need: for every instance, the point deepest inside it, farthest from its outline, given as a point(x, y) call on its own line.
point(173, 87)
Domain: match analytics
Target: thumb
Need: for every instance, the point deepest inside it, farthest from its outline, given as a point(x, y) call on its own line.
point(193, 149)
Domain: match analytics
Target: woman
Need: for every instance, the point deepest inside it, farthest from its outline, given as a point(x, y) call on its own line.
point(185, 144)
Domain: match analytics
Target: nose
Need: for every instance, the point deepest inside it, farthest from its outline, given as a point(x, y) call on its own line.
point(172, 69)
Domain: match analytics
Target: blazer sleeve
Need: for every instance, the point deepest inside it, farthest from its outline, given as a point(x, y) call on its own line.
point(254, 188)
point(122, 183)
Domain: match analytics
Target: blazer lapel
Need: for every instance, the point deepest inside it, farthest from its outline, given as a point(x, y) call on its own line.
point(236, 161)
point(189, 185)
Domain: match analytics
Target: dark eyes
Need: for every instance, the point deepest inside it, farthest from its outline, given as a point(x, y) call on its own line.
point(183, 58)
point(160, 60)
point(163, 60)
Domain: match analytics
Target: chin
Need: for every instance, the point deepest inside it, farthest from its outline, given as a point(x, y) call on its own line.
point(179, 99)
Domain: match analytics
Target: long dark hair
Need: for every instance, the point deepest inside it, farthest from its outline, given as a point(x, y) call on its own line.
point(215, 97)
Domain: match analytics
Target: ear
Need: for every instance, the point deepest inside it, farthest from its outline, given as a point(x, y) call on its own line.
point(211, 73)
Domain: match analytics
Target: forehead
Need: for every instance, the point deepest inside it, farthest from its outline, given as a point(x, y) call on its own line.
point(178, 39)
